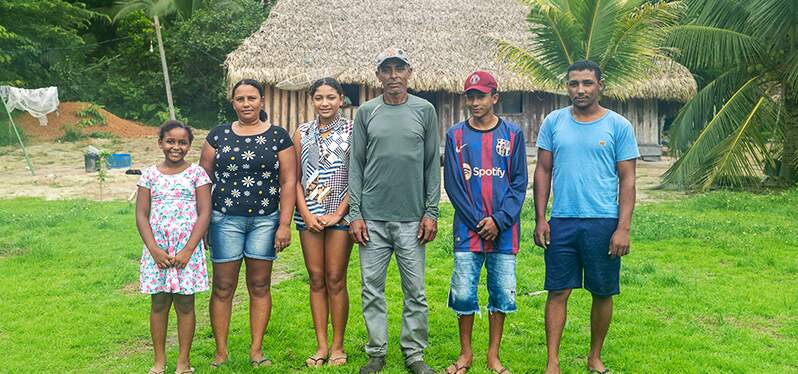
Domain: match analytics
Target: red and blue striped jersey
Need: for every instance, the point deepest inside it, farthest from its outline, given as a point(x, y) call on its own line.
point(485, 175)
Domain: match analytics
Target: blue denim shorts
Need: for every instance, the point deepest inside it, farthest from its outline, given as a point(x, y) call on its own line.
point(465, 278)
point(235, 237)
point(302, 227)
point(578, 249)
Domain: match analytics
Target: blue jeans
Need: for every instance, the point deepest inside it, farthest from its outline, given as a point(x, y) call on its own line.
point(465, 277)
point(235, 237)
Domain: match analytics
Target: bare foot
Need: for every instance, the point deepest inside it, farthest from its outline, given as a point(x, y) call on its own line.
point(495, 365)
point(337, 358)
point(552, 369)
point(595, 364)
point(318, 359)
point(462, 364)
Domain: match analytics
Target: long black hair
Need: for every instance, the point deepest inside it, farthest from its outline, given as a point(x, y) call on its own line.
point(254, 83)
point(171, 125)
point(326, 81)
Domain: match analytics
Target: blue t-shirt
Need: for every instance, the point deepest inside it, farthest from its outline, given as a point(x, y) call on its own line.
point(585, 178)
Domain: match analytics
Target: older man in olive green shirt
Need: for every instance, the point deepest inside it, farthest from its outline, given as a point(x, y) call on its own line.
point(394, 189)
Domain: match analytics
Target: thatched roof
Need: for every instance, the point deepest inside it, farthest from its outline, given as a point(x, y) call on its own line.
point(445, 39)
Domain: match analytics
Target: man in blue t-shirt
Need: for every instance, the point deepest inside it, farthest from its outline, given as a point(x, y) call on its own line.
point(587, 154)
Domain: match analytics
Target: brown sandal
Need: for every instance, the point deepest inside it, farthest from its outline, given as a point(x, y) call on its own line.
point(315, 362)
point(339, 360)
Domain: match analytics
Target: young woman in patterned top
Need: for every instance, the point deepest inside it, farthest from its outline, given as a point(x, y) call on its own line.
point(322, 148)
point(253, 165)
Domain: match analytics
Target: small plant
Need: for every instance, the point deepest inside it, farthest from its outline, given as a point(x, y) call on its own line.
point(72, 134)
point(102, 170)
point(102, 135)
point(91, 116)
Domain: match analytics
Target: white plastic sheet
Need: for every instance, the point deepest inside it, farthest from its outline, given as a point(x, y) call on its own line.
point(38, 102)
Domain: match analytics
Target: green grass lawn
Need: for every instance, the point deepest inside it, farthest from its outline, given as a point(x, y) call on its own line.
point(711, 285)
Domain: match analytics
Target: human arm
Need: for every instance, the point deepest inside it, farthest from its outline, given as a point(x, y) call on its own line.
point(542, 189)
point(357, 162)
point(162, 259)
point(456, 188)
point(619, 243)
point(207, 159)
point(510, 209)
point(335, 217)
point(287, 178)
point(200, 228)
point(301, 206)
point(428, 227)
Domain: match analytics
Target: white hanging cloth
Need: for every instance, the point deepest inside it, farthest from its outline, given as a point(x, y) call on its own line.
point(38, 102)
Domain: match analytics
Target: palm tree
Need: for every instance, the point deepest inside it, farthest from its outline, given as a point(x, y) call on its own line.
point(623, 37)
point(744, 121)
point(162, 8)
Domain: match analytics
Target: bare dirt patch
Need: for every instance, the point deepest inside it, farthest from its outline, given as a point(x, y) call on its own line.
point(66, 116)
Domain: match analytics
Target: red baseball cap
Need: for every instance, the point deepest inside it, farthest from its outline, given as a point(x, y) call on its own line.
point(481, 81)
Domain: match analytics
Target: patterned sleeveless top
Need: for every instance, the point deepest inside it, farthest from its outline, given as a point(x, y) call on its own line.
point(325, 165)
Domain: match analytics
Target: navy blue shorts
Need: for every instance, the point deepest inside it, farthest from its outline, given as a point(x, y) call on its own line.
point(579, 248)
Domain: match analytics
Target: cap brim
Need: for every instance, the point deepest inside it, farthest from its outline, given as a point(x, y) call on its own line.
point(483, 89)
point(400, 59)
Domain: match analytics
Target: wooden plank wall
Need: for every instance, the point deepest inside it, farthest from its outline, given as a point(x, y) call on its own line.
point(289, 109)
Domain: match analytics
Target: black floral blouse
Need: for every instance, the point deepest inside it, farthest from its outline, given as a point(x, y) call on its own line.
point(247, 171)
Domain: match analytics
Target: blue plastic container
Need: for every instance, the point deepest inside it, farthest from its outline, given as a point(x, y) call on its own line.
point(119, 160)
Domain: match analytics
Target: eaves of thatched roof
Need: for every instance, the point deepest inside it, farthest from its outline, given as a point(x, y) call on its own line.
point(445, 40)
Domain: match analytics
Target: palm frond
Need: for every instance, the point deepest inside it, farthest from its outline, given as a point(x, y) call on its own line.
point(690, 169)
point(598, 18)
point(701, 109)
point(122, 9)
point(528, 65)
point(791, 69)
point(555, 32)
point(702, 46)
point(774, 18)
point(630, 55)
point(739, 157)
point(725, 14)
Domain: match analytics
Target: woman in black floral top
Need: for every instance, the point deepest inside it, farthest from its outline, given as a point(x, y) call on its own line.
point(253, 165)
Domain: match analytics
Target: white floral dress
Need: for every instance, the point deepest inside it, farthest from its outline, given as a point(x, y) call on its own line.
point(173, 212)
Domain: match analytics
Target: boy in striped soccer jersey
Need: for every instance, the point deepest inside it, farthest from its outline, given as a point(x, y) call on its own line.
point(485, 176)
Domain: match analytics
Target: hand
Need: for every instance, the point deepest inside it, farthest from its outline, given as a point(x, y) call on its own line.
point(282, 238)
point(181, 260)
point(487, 229)
point(542, 234)
point(329, 220)
point(427, 230)
point(358, 231)
point(162, 259)
point(312, 223)
point(619, 244)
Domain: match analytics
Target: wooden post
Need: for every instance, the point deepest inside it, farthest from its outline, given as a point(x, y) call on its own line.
point(293, 100)
point(284, 109)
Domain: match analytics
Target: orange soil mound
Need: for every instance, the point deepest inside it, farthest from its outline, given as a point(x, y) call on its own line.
point(65, 116)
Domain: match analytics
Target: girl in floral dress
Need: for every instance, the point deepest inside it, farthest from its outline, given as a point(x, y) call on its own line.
point(172, 214)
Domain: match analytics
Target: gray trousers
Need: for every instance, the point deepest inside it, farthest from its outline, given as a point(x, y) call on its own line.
point(385, 239)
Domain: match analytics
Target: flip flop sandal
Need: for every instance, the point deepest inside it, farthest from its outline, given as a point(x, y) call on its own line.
point(315, 362)
point(217, 365)
point(499, 371)
point(263, 362)
point(187, 371)
point(605, 371)
point(458, 368)
point(153, 371)
point(339, 360)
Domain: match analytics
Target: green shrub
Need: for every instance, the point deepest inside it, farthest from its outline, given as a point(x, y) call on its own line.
point(102, 135)
point(72, 134)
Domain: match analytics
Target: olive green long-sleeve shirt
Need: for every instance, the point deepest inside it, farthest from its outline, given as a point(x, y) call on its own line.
point(394, 161)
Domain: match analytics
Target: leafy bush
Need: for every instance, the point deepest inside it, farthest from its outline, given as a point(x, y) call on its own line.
point(72, 134)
